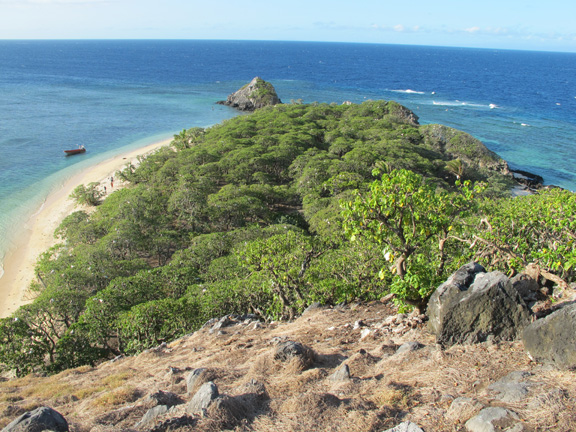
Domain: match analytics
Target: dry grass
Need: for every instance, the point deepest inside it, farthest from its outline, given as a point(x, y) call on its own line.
point(395, 396)
point(384, 390)
point(120, 396)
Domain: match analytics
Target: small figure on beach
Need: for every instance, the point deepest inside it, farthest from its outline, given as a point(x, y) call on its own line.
point(105, 191)
point(111, 182)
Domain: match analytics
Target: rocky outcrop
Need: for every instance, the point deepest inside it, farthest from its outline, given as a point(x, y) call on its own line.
point(402, 114)
point(41, 419)
point(257, 94)
point(528, 179)
point(473, 306)
point(551, 339)
point(455, 144)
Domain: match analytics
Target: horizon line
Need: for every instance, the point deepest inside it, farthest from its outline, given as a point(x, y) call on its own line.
point(286, 40)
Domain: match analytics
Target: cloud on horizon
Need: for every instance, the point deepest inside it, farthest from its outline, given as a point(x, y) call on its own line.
point(522, 34)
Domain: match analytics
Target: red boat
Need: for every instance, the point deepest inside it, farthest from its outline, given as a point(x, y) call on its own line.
point(80, 149)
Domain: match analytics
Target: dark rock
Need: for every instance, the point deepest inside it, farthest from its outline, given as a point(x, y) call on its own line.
point(533, 181)
point(203, 398)
point(551, 339)
point(257, 94)
point(527, 287)
point(473, 306)
point(440, 301)
point(41, 419)
point(290, 350)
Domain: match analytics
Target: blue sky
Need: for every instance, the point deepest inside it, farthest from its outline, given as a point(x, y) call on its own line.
point(508, 24)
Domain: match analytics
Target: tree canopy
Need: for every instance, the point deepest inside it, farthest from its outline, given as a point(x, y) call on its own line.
point(256, 215)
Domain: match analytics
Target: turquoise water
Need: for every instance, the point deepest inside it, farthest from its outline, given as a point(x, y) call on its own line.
point(113, 95)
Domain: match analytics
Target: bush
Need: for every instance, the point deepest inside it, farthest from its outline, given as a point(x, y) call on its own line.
point(89, 195)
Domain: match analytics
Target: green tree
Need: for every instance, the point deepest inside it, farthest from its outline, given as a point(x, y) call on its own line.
point(538, 229)
point(283, 260)
point(149, 324)
point(89, 194)
point(412, 220)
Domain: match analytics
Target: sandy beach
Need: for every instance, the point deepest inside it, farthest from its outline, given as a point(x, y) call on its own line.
point(38, 232)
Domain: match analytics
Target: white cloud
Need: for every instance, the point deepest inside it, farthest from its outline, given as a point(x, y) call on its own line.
point(400, 28)
point(472, 30)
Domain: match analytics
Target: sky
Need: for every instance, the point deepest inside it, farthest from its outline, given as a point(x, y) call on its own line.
point(542, 25)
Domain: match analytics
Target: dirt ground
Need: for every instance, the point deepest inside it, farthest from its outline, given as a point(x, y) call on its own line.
point(385, 388)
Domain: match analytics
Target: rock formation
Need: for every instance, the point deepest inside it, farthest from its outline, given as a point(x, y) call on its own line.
point(257, 94)
point(472, 306)
point(551, 339)
point(43, 418)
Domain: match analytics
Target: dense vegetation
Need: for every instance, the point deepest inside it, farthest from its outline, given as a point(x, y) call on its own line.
point(269, 212)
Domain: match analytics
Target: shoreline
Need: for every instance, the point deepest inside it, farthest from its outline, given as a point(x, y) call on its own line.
point(37, 234)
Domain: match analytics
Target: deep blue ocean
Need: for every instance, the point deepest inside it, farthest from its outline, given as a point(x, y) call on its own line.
point(113, 95)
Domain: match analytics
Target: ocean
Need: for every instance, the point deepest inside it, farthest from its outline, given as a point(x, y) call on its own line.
point(115, 95)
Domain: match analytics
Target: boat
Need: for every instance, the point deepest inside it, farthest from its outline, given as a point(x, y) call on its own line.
point(80, 149)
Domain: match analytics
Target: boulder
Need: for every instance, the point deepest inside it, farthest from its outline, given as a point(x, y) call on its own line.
point(341, 374)
point(289, 350)
point(195, 378)
point(492, 419)
point(203, 398)
point(41, 419)
point(257, 94)
point(406, 426)
point(551, 339)
point(472, 306)
point(511, 388)
point(151, 416)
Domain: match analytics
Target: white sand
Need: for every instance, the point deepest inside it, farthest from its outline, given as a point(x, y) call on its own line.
point(38, 234)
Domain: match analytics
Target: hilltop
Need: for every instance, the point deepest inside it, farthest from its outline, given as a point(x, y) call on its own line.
point(440, 390)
